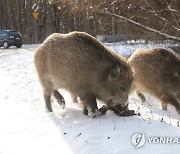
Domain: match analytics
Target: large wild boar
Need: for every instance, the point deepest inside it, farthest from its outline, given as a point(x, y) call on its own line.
point(157, 71)
point(83, 66)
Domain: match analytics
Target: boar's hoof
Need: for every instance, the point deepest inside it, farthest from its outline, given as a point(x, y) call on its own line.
point(85, 111)
point(92, 114)
point(59, 98)
point(62, 103)
point(49, 110)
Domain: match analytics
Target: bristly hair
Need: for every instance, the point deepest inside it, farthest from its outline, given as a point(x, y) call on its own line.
point(92, 42)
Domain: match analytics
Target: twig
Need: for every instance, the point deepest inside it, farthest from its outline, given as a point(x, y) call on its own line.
point(143, 26)
point(78, 135)
point(114, 127)
point(172, 13)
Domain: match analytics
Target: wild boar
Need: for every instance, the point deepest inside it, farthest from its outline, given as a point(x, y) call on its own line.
point(80, 64)
point(157, 71)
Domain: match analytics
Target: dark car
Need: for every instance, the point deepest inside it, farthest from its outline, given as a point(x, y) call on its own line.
point(10, 38)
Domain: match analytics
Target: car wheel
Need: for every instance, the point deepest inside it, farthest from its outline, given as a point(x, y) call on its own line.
point(19, 45)
point(5, 45)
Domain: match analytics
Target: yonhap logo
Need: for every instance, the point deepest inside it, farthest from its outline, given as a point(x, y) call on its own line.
point(138, 139)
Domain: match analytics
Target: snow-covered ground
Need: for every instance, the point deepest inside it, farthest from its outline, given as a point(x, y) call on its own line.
point(25, 127)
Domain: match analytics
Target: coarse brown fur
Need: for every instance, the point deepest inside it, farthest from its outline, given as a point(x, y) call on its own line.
point(85, 67)
point(157, 71)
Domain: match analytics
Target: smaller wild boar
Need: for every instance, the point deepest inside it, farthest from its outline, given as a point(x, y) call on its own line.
point(83, 66)
point(157, 71)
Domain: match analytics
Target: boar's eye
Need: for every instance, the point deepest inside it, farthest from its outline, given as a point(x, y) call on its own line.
point(114, 73)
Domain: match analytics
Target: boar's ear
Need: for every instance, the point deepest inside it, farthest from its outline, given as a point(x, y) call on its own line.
point(114, 73)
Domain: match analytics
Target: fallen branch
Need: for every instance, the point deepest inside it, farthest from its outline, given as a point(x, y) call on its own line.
point(143, 26)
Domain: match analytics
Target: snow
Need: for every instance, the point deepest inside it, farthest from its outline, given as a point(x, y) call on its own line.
point(127, 50)
point(26, 128)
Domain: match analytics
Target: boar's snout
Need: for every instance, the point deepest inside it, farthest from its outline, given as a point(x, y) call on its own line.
point(120, 100)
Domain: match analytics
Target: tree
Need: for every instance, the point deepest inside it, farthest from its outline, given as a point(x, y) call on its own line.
point(150, 19)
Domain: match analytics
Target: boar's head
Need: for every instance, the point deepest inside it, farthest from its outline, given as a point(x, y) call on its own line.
point(117, 85)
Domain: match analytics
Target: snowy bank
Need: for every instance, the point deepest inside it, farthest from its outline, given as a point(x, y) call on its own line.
point(26, 128)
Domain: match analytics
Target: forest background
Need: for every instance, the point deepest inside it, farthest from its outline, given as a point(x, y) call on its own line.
point(151, 20)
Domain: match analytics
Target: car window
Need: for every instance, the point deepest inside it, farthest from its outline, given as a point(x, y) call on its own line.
point(2, 34)
point(13, 33)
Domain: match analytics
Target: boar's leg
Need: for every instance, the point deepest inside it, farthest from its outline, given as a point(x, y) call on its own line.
point(47, 98)
point(59, 98)
point(141, 96)
point(85, 109)
point(90, 105)
point(169, 99)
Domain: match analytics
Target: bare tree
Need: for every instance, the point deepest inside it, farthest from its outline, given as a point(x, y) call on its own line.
point(154, 19)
